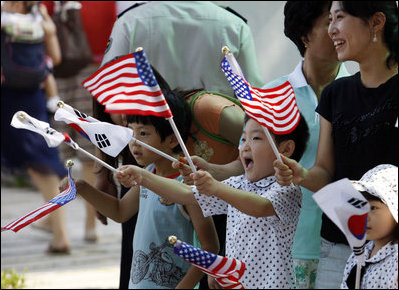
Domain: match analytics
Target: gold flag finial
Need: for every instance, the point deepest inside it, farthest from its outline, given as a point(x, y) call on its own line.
point(225, 50)
point(69, 163)
point(60, 104)
point(172, 239)
point(21, 115)
point(138, 49)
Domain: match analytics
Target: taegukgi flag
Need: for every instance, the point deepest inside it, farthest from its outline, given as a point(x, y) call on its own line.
point(109, 138)
point(348, 209)
point(22, 120)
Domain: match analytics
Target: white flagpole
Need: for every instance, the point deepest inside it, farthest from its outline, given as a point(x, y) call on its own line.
point(182, 145)
point(75, 146)
point(149, 147)
point(237, 70)
point(177, 134)
point(358, 268)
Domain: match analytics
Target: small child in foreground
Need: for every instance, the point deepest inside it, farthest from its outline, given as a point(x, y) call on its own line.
point(261, 215)
point(380, 187)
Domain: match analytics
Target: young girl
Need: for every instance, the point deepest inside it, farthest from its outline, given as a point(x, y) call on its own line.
point(261, 215)
point(380, 187)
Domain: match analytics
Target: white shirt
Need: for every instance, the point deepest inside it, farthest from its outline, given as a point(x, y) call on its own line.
point(263, 244)
point(381, 271)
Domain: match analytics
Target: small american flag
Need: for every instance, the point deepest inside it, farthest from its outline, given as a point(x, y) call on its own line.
point(61, 199)
point(274, 108)
point(127, 85)
point(227, 271)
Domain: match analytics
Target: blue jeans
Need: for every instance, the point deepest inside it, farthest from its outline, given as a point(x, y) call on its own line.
point(330, 270)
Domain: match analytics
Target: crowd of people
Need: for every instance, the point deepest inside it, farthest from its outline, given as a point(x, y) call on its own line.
point(242, 202)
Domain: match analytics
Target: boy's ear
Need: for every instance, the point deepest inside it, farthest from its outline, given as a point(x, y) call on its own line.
point(287, 148)
point(173, 142)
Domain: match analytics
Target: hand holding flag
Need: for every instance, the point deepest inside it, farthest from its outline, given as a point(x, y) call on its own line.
point(348, 209)
point(227, 271)
point(61, 199)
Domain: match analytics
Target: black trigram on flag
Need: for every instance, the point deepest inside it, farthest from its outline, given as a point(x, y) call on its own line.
point(357, 202)
point(102, 141)
point(358, 250)
point(79, 114)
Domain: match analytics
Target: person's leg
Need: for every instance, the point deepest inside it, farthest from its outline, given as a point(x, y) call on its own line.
point(305, 273)
point(90, 225)
point(48, 186)
point(332, 263)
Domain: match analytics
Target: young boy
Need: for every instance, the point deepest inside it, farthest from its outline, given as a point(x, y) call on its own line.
point(380, 187)
point(261, 214)
point(154, 264)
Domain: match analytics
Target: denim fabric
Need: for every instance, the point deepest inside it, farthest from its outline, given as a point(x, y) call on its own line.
point(332, 263)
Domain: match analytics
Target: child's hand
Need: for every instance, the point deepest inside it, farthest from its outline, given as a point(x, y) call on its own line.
point(204, 182)
point(185, 171)
point(129, 175)
point(212, 284)
point(288, 172)
point(63, 184)
point(47, 23)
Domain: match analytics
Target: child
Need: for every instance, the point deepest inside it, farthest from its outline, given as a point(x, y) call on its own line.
point(380, 187)
point(261, 215)
point(154, 264)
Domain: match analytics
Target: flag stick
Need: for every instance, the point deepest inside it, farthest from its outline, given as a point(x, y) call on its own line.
point(358, 268)
point(177, 134)
point(149, 147)
point(237, 70)
point(75, 146)
point(182, 145)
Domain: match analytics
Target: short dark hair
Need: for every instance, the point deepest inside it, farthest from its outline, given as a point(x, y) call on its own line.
point(299, 19)
point(181, 117)
point(300, 135)
point(369, 196)
point(366, 9)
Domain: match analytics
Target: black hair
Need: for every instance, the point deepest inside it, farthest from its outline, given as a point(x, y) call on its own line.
point(181, 116)
point(300, 135)
point(369, 197)
point(366, 9)
point(299, 19)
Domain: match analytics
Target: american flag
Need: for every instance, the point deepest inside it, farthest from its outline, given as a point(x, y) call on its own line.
point(273, 108)
point(227, 271)
point(127, 85)
point(61, 199)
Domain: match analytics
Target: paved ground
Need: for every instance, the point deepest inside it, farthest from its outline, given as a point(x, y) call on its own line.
point(89, 266)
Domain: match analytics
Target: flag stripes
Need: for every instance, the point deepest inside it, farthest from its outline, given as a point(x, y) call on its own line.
point(127, 86)
point(227, 271)
point(61, 199)
point(274, 108)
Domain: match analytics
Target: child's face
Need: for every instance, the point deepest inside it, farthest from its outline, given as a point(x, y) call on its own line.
point(148, 135)
point(380, 222)
point(256, 153)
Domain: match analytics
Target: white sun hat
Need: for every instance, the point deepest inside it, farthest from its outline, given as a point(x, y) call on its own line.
point(382, 182)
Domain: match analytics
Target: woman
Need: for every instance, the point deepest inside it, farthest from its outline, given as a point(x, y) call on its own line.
point(357, 116)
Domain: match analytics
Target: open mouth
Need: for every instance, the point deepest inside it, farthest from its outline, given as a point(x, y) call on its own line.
point(249, 163)
point(338, 43)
